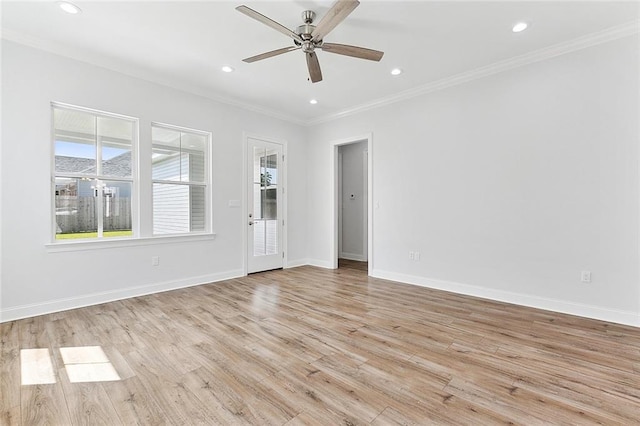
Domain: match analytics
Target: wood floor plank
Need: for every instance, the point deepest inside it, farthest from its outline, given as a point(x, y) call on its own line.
point(298, 392)
point(88, 403)
point(44, 405)
point(306, 419)
point(10, 382)
point(180, 405)
point(316, 346)
point(134, 404)
point(236, 401)
point(32, 333)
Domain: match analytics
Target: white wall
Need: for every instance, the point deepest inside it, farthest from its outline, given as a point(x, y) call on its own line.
point(508, 186)
point(353, 242)
point(35, 279)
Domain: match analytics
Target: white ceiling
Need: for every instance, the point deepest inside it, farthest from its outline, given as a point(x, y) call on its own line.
point(184, 44)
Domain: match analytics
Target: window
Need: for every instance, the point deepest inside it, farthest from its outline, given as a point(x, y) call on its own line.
point(180, 179)
point(93, 178)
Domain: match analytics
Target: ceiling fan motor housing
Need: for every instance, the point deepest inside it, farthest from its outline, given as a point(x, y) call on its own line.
point(305, 31)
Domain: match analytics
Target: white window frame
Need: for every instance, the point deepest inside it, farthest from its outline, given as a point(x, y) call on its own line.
point(206, 184)
point(98, 178)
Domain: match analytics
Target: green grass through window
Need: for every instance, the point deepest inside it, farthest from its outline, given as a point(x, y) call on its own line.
point(85, 235)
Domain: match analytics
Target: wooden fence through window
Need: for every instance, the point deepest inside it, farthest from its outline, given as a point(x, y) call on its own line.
point(78, 214)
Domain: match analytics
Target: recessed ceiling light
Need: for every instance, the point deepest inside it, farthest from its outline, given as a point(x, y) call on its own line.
point(313, 101)
point(519, 27)
point(227, 68)
point(396, 71)
point(69, 7)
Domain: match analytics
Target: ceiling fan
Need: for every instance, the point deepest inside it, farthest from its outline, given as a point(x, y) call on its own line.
point(309, 37)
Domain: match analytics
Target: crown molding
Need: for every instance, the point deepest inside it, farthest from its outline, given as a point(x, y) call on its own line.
point(583, 42)
point(137, 72)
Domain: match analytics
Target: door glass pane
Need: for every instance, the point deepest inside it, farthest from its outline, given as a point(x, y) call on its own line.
point(116, 136)
point(74, 141)
point(75, 208)
point(257, 201)
point(265, 202)
point(116, 209)
point(270, 169)
point(269, 203)
point(271, 237)
point(259, 248)
point(258, 155)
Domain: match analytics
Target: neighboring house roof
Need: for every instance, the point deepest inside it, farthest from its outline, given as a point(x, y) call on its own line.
point(72, 164)
point(116, 166)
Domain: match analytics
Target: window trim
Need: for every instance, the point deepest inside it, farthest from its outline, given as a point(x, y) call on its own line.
point(141, 236)
point(87, 244)
point(206, 183)
point(134, 179)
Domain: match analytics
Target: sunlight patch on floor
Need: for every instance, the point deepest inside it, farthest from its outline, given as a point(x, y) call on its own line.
point(88, 364)
point(82, 363)
point(36, 367)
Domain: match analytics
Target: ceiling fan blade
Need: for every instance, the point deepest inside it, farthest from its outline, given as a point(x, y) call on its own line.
point(338, 12)
point(355, 51)
point(270, 54)
point(269, 22)
point(314, 67)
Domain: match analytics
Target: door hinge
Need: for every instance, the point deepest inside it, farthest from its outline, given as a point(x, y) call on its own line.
point(283, 255)
point(282, 222)
point(283, 157)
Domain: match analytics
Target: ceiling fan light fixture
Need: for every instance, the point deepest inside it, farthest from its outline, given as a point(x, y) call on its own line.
point(519, 27)
point(396, 71)
point(69, 7)
point(313, 101)
point(227, 68)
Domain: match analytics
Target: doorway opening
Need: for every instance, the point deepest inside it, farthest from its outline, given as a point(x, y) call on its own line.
point(352, 236)
point(352, 206)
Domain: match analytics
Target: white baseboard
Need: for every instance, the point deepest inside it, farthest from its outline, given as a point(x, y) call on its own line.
point(562, 306)
point(320, 263)
point(296, 263)
point(32, 310)
point(621, 317)
point(353, 256)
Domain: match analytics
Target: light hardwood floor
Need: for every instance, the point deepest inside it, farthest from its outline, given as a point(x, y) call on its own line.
point(353, 264)
point(324, 347)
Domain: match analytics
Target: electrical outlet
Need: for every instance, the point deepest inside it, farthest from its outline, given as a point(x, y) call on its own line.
point(585, 276)
point(412, 255)
point(416, 256)
point(155, 260)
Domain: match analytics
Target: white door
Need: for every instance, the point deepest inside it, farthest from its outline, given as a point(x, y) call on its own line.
point(264, 221)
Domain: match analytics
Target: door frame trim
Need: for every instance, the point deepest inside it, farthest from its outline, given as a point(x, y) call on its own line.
point(333, 198)
point(245, 193)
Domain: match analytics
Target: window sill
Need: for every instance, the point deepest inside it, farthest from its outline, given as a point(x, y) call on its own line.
point(125, 242)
